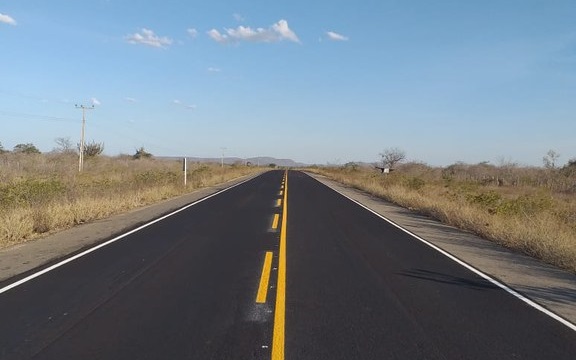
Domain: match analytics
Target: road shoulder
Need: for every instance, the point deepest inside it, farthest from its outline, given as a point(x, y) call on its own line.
point(548, 286)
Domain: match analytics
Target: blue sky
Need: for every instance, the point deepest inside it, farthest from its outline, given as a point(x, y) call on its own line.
point(316, 81)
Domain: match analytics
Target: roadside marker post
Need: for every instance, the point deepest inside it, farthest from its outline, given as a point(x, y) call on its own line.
point(185, 169)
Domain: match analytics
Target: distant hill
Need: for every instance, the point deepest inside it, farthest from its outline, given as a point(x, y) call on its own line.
point(264, 160)
point(258, 161)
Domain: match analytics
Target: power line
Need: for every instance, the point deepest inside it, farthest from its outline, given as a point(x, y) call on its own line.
point(131, 129)
point(34, 116)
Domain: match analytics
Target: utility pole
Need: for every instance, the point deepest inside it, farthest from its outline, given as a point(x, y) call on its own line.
point(222, 159)
point(81, 158)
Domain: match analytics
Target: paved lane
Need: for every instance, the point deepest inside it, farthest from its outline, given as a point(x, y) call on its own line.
point(359, 288)
point(272, 269)
point(183, 288)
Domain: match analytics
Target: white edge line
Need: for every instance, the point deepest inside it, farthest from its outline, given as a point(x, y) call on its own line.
point(88, 251)
point(501, 285)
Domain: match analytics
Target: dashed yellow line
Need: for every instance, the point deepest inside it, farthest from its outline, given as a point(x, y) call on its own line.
point(275, 221)
point(280, 308)
point(264, 279)
point(278, 202)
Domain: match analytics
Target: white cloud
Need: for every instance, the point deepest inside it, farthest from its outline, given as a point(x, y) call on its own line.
point(95, 101)
point(147, 37)
point(239, 17)
point(186, 106)
point(335, 36)
point(214, 69)
point(192, 32)
point(277, 32)
point(130, 99)
point(282, 28)
point(6, 19)
point(216, 36)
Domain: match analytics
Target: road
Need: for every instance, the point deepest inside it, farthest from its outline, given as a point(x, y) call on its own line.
point(271, 269)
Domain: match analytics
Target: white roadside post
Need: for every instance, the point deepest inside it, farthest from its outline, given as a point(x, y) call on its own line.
point(185, 169)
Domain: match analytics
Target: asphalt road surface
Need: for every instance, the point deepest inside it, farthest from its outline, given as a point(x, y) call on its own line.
point(270, 269)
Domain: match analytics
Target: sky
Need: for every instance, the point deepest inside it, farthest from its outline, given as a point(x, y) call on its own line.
point(320, 82)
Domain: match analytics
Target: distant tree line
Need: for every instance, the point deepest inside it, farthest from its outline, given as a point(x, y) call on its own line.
point(28, 148)
point(65, 146)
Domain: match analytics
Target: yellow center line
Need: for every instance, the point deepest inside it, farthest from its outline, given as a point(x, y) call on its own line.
point(264, 279)
point(275, 221)
point(280, 308)
point(279, 203)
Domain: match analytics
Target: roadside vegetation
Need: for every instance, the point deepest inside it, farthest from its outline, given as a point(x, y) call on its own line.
point(44, 193)
point(528, 209)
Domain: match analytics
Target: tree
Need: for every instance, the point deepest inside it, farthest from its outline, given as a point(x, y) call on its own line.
point(63, 145)
point(391, 157)
point(550, 159)
point(92, 149)
point(28, 148)
point(569, 169)
point(141, 153)
point(2, 150)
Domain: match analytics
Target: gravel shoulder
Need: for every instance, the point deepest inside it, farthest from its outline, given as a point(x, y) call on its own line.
point(546, 285)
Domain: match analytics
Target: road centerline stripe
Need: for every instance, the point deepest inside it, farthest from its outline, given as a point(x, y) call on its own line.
point(264, 278)
point(275, 221)
point(280, 308)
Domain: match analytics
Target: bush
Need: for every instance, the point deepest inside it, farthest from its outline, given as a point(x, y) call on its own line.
point(31, 192)
point(93, 149)
point(489, 200)
point(142, 154)
point(525, 205)
point(414, 183)
point(28, 148)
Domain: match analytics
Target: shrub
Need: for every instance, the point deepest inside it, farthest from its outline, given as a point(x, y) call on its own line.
point(31, 192)
point(141, 154)
point(414, 183)
point(28, 148)
point(93, 149)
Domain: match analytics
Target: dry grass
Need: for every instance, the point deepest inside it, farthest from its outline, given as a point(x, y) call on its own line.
point(42, 194)
point(535, 220)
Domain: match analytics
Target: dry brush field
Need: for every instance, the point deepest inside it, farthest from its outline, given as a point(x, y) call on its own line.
point(531, 210)
point(44, 193)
